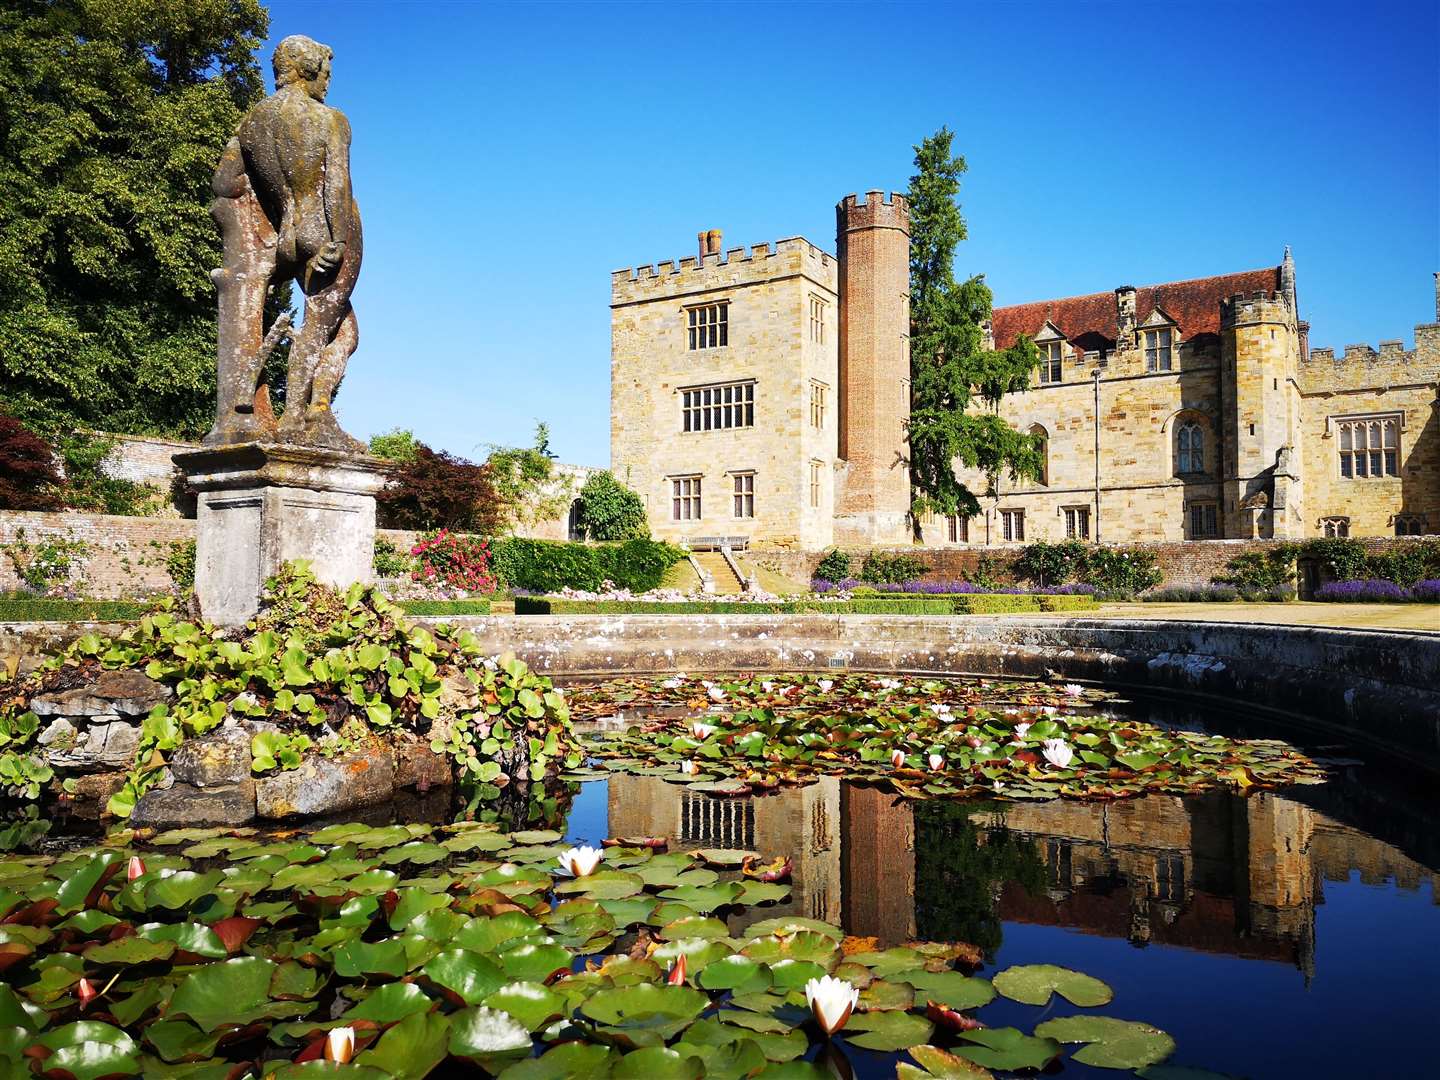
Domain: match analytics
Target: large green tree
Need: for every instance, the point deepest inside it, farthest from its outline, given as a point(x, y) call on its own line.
point(950, 368)
point(113, 114)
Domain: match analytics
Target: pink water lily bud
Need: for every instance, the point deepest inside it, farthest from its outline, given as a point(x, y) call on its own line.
point(135, 869)
point(676, 977)
point(580, 861)
point(85, 990)
point(897, 758)
point(340, 1045)
point(831, 1000)
point(937, 762)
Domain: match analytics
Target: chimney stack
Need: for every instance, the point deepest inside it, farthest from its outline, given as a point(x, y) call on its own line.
point(709, 242)
point(1125, 317)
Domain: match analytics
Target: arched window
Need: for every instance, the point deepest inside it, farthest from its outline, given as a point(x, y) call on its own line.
point(1039, 431)
point(1190, 449)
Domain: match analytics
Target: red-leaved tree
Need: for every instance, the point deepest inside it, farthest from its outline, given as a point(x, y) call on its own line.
point(29, 478)
point(441, 491)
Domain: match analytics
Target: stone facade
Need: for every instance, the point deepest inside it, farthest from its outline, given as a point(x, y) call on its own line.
point(1191, 410)
point(1241, 384)
point(772, 469)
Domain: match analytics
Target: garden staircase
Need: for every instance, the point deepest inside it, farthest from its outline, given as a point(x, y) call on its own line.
point(715, 564)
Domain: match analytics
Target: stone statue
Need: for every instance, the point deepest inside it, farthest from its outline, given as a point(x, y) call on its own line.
point(287, 213)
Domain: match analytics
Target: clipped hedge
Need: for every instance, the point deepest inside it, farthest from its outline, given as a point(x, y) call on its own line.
point(45, 609)
point(549, 565)
point(969, 604)
point(422, 608)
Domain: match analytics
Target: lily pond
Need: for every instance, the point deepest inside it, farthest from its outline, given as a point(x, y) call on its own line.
point(778, 876)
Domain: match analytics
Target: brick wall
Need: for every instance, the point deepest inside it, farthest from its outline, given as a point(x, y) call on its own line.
point(124, 557)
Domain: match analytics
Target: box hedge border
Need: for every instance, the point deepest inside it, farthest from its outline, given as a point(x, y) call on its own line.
point(44, 609)
point(967, 604)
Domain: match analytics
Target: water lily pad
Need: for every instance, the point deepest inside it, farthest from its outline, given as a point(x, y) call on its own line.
point(180, 1040)
point(1032, 984)
point(223, 993)
point(887, 1030)
point(533, 962)
point(88, 1050)
point(658, 1063)
point(1111, 1043)
point(704, 898)
point(568, 1061)
point(529, 1003)
point(391, 1002)
point(940, 1065)
point(413, 1047)
point(486, 934)
point(786, 925)
point(645, 1014)
point(738, 973)
point(1007, 1049)
point(468, 975)
point(951, 988)
point(363, 958)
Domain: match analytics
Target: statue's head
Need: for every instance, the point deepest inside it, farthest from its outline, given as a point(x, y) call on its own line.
point(304, 62)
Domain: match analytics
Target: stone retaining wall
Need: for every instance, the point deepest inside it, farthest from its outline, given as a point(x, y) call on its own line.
point(1373, 686)
point(1380, 687)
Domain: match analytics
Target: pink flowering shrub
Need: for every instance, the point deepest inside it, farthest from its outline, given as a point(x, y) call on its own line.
point(454, 559)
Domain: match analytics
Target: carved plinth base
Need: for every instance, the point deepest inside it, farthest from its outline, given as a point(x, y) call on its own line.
point(264, 504)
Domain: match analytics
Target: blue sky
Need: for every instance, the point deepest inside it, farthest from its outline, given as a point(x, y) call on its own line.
point(507, 157)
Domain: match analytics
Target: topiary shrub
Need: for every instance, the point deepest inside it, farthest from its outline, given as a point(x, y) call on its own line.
point(611, 511)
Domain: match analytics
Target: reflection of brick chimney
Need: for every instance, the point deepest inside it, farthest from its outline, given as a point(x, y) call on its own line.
point(1125, 318)
point(709, 243)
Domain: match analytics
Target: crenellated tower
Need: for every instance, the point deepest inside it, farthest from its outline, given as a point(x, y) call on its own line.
point(872, 238)
point(1260, 350)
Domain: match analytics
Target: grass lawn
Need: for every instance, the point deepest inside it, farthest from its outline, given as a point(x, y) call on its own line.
point(1297, 613)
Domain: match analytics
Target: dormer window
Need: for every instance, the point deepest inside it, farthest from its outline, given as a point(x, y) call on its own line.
point(1050, 367)
point(1159, 349)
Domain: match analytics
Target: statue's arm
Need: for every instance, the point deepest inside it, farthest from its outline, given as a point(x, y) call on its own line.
point(339, 199)
point(229, 181)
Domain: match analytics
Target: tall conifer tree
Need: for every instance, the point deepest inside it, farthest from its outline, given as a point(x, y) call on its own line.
point(950, 368)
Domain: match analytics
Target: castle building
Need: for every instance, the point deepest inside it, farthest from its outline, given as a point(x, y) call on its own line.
point(761, 398)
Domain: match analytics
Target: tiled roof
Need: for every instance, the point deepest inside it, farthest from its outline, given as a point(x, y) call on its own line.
point(1089, 321)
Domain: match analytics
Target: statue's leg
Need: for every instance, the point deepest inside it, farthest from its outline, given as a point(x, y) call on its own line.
point(333, 358)
point(241, 285)
point(317, 360)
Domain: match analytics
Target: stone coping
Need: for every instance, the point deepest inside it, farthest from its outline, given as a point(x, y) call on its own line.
point(1372, 686)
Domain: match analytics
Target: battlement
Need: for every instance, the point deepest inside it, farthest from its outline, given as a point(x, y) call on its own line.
point(1391, 352)
point(875, 211)
point(737, 266)
point(1262, 305)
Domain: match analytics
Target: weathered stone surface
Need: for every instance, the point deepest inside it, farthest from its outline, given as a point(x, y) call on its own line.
point(417, 766)
point(221, 757)
point(327, 785)
point(125, 692)
point(290, 151)
point(98, 787)
point(110, 743)
point(189, 805)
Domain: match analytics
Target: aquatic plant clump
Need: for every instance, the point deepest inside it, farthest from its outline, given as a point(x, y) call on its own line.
point(399, 950)
point(923, 738)
point(320, 667)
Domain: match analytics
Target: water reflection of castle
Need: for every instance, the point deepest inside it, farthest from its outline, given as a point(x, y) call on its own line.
point(1217, 873)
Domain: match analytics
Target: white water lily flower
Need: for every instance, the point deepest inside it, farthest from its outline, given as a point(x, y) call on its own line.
point(937, 762)
point(825, 684)
point(1058, 753)
point(1021, 728)
point(1050, 710)
point(702, 731)
point(1074, 689)
point(831, 1000)
point(580, 861)
point(716, 693)
point(672, 684)
point(939, 709)
point(890, 684)
point(897, 758)
point(340, 1045)
point(767, 686)
point(690, 768)
point(1012, 712)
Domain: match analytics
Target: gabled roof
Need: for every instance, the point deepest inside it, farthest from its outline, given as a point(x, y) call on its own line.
point(1089, 321)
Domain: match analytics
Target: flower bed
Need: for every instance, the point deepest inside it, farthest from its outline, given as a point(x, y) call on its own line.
point(1379, 591)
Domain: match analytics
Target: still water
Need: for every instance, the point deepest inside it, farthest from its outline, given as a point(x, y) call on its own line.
point(1274, 936)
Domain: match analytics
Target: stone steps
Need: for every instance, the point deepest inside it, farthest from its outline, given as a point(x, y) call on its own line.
point(714, 564)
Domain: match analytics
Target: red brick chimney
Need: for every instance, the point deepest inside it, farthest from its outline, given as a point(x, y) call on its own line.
point(709, 243)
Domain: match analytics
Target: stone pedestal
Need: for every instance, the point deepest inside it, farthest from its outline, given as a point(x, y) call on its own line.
point(265, 504)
